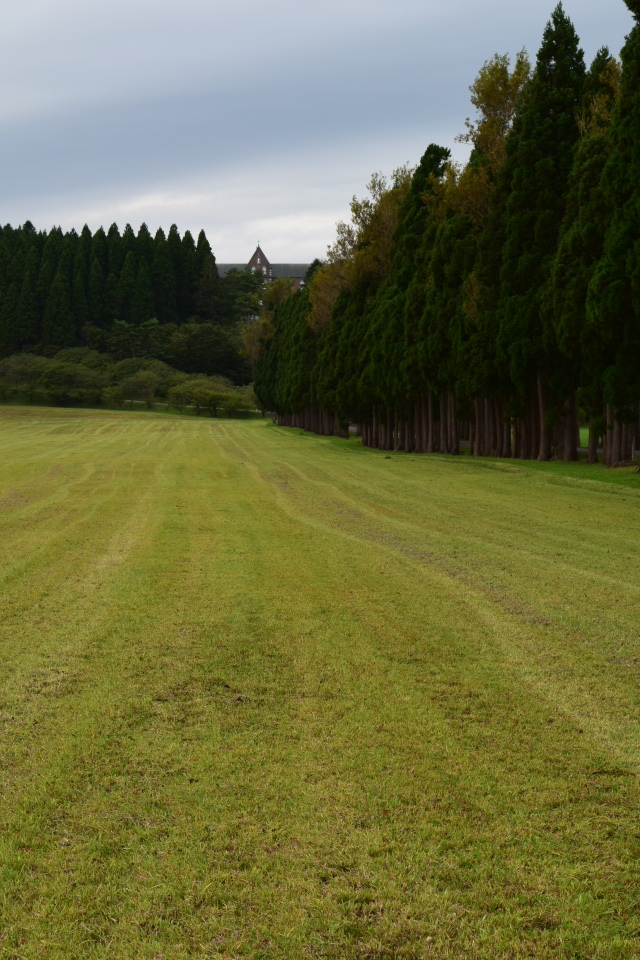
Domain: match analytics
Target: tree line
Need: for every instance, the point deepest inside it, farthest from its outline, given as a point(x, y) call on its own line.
point(126, 295)
point(78, 376)
point(496, 302)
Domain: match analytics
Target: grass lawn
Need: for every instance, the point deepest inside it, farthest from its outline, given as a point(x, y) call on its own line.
point(274, 696)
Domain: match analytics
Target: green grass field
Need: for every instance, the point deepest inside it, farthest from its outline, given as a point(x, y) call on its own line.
point(274, 696)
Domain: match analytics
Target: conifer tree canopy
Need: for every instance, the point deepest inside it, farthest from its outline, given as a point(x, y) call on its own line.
point(538, 162)
point(634, 6)
point(613, 304)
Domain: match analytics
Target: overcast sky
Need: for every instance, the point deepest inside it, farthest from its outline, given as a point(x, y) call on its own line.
point(255, 121)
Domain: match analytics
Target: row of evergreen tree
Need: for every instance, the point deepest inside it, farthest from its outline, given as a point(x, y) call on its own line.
point(121, 292)
point(496, 302)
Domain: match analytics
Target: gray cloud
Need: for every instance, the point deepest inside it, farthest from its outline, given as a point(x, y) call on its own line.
point(243, 117)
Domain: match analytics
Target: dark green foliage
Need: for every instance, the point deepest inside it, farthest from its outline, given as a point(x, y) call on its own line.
point(28, 331)
point(509, 286)
point(71, 383)
point(83, 254)
point(142, 305)
point(100, 250)
point(582, 234)
point(203, 252)
point(144, 244)
point(114, 247)
point(128, 243)
point(206, 348)
point(96, 294)
point(164, 281)
point(119, 293)
point(283, 379)
point(174, 252)
point(9, 317)
point(240, 295)
point(58, 327)
point(537, 167)
point(126, 288)
point(80, 305)
point(209, 294)
point(188, 278)
point(613, 307)
point(46, 272)
point(312, 269)
point(111, 287)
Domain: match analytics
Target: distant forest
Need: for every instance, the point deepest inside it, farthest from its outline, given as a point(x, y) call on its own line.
point(124, 296)
point(497, 301)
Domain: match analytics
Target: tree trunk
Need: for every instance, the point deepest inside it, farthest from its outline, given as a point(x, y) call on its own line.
point(497, 412)
point(425, 424)
point(608, 435)
point(454, 440)
point(625, 443)
point(569, 420)
point(544, 450)
point(417, 430)
point(616, 443)
point(592, 450)
point(444, 433)
point(388, 436)
point(478, 446)
point(409, 439)
point(506, 438)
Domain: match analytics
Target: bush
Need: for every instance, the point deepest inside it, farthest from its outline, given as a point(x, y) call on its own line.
point(141, 386)
point(23, 371)
point(68, 383)
point(205, 393)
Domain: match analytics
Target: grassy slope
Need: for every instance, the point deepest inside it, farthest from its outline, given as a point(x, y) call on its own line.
point(267, 695)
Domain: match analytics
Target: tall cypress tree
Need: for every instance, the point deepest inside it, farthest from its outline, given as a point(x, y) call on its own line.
point(96, 295)
point(80, 305)
point(128, 243)
point(209, 296)
point(144, 244)
point(417, 231)
point(46, 273)
point(83, 254)
point(9, 316)
point(539, 158)
point(114, 248)
point(613, 302)
point(164, 281)
point(28, 315)
point(126, 288)
point(174, 252)
point(111, 287)
point(188, 278)
point(58, 328)
point(5, 260)
point(68, 253)
point(100, 250)
point(582, 239)
point(142, 306)
point(203, 252)
point(9, 339)
point(634, 6)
